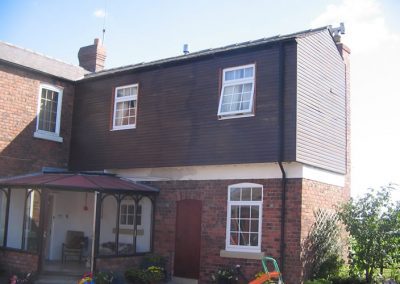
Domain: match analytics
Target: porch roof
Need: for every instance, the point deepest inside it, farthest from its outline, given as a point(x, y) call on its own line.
point(77, 181)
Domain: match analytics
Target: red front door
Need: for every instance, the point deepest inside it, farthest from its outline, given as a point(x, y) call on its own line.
point(187, 240)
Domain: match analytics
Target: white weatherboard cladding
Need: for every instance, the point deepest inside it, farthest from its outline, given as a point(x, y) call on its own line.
point(232, 171)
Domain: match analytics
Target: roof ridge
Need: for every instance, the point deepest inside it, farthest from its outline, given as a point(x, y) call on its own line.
point(206, 51)
point(43, 55)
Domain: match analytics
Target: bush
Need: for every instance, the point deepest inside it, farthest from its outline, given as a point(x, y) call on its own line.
point(318, 281)
point(103, 277)
point(224, 275)
point(134, 275)
point(322, 246)
point(153, 260)
point(348, 280)
point(145, 275)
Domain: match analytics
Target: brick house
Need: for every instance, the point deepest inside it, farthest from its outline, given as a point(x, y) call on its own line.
point(212, 158)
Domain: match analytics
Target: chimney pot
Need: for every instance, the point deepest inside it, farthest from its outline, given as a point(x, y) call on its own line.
point(92, 57)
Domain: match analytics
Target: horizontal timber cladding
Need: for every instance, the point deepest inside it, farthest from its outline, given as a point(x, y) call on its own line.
point(177, 122)
point(321, 103)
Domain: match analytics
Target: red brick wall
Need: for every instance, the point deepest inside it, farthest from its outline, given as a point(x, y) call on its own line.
point(317, 195)
point(213, 195)
point(20, 152)
point(13, 261)
point(117, 263)
point(303, 197)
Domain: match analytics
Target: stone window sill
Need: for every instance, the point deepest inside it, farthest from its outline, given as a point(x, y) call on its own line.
point(241, 254)
point(48, 136)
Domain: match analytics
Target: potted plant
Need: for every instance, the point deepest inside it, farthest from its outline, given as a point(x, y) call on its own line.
point(224, 276)
point(153, 274)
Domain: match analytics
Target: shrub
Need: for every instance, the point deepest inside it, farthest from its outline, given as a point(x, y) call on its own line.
point(318, 281)
point(103, 277)
point(134, 275)
point(145, 275)
point(323, 246)
point(153, 260)
point(224, 275)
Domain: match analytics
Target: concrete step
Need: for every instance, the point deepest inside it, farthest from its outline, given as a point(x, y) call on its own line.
point(56, 279)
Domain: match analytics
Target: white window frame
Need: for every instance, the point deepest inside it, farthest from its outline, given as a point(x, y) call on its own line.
point(48, 135)
point(124, 99)
point(241, 248)
point(225, 83)
point(129, 202)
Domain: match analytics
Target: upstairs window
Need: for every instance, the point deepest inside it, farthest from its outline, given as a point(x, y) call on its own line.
point(125, 106)
point(49, 113)
point(243, 226)
point(237, 93)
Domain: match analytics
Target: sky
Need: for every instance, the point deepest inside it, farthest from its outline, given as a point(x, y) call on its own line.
point(141, 31)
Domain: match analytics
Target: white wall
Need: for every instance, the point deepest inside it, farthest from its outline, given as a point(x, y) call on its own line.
point(69, 214)
point(232, 171)
point(17, 202)
point(108, 220)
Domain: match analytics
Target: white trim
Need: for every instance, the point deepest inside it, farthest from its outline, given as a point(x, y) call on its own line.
point(47, 136)
point(232, 171)
point(43, 134)
point(234, 82)
point(240, 254)
point(259, 203)
point(124, 99)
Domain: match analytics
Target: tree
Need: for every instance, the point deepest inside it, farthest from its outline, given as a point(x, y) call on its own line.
point(373, 224)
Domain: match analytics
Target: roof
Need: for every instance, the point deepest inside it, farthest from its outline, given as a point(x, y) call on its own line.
point(39, 62)
point(207, 52)
point(77, 181)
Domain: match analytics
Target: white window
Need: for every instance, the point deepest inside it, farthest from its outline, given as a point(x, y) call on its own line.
point(237, 93)
point(49, 113)
point(125, 106)
point(127, 214)
point(243, 226)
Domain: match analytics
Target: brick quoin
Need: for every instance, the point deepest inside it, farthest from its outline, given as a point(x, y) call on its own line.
point(20, 152)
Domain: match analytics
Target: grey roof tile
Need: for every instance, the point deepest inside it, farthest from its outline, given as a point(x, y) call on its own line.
point(206, 52)
point(36, 61)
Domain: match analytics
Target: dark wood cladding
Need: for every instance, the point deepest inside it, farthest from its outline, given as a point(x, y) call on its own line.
point(177, 123)
point(321, 103)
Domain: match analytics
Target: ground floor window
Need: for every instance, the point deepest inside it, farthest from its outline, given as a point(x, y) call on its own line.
point(23, 216)
point(125, 225)
point(244, 217)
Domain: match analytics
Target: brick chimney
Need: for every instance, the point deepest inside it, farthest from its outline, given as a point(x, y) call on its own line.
point(92, 57)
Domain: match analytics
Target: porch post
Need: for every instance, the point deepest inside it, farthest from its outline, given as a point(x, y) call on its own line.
point(7, 217)
point(96, 228)
point(42, 217)
point(153, 218)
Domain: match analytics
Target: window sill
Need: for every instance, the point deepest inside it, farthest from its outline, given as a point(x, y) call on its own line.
point(48, 136)
point(231, 116)
point(241, 254)
point(123, 127)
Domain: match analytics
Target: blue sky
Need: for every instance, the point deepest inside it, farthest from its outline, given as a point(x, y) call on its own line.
point(138, 31)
